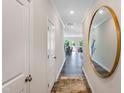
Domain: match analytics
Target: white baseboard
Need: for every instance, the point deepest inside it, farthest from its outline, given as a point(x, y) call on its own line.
point(90, 85)
point(104, 67)
point(60, 70)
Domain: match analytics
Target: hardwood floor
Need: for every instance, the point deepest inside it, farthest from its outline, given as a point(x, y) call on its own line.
point(72, 78)
point(73, 65)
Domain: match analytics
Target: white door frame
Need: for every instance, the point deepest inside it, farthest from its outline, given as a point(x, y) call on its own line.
point(50, 65)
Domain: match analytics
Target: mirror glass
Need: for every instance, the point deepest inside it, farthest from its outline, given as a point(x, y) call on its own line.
point(103, 41)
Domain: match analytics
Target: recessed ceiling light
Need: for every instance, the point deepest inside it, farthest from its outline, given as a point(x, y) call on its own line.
point(101, 11)
point(71, 12)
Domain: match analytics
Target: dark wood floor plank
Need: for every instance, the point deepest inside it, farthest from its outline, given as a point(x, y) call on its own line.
point(73, 65)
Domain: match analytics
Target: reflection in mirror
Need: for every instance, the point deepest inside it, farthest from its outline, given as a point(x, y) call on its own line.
point(103, 42)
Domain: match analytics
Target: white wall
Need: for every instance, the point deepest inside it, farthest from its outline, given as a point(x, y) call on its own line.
point(111, 84)
point(40, 10)
point(60, 55)
point(106, 44)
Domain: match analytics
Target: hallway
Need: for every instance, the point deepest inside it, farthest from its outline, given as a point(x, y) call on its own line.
point(37, 35)
point(72, 78)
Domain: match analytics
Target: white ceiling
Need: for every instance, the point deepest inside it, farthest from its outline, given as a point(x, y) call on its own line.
point(79, 7)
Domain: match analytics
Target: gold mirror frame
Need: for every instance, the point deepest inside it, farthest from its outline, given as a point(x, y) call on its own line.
point(118, 33)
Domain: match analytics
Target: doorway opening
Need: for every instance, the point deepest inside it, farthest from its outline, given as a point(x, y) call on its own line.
point(72, 14)
point(72, 78)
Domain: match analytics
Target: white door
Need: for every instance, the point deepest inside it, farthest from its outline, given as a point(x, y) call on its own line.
point(15, 46)
point(51, 54)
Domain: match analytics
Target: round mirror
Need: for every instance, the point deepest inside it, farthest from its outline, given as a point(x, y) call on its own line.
point(104, 41)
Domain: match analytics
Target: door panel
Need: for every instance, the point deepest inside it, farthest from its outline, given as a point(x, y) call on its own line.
point(15, 46)
point(51, 54)
point(15, 85)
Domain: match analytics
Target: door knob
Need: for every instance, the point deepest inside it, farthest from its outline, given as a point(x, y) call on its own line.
point(54, 57)
point(28, 78)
